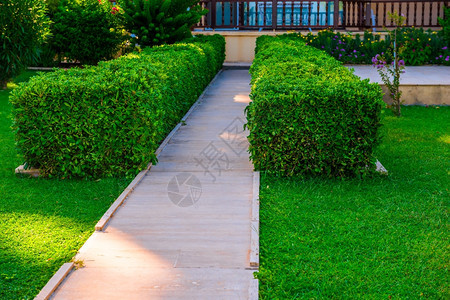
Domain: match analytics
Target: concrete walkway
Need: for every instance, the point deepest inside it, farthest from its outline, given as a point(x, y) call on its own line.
point(184, 232)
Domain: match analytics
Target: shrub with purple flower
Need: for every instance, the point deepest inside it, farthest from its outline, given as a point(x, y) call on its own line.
point(417, 46)
point(390, 73)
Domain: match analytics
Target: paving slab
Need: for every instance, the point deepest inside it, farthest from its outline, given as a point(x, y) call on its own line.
point(417, 75)
point(185, 231)
point(420, 85)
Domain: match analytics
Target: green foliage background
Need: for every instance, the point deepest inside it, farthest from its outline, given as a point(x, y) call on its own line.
point(445, 23)
point(85, 31)
point(23, 27)
point(418, 46)
point(157, 22)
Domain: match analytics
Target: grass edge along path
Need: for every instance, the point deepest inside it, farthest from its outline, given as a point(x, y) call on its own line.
point(382, 238)
point(43, 222)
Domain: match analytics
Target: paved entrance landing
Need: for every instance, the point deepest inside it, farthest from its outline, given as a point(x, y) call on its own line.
point(421, 85)
point(185, 231)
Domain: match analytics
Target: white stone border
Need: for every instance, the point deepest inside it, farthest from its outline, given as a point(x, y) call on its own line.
point(55, 281)
point(253, 290)
point(66, 268)
point(380, 168)
point(254, 241)
point(32, 172)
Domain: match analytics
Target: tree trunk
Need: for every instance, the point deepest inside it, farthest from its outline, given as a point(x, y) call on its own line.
point(3, 84)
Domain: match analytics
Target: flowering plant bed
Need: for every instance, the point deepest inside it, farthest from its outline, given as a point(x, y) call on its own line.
point(418, 47)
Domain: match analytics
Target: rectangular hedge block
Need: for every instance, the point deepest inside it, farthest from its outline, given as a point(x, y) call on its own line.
point(310, 115)
point(108, 120)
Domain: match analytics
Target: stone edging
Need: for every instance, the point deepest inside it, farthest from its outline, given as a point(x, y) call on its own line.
point(55, 281)
point(254, 246)
point(253, 291)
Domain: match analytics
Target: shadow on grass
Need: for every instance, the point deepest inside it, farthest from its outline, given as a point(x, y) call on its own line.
point(43, 222)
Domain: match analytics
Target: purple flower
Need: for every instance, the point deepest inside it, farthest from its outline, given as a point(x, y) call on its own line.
point(401, 62)
point(447, 58)
point(323, 47)
point(440, 56)
point(445, 48)
point(356, 56)
point(343, 50)
point(354, 51)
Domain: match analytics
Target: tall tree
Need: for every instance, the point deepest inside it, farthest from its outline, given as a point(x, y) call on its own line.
point(23, 27)
point(156, 22)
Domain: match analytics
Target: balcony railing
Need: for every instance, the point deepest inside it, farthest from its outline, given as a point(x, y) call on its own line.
point(285, 15)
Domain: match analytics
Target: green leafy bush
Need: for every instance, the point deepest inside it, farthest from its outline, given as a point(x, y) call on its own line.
point(108, 120)
point(23, 27)
point(86, 31)
point(157, 22)
point(310, 114)
point(445, 23)
point(418, 47)
point(355, 49)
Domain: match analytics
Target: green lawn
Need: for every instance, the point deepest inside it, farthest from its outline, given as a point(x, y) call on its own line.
point(42, 222)
point(376, 238)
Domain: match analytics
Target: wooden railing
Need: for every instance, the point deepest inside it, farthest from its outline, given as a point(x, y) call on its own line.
point(307, 14)
point(374, 13)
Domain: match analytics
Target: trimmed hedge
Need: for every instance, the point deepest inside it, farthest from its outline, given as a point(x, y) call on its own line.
point(310, 115)
point(108, 120)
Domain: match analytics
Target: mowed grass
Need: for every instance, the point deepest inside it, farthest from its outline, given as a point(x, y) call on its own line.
point(43, 222)
point(379, 238)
